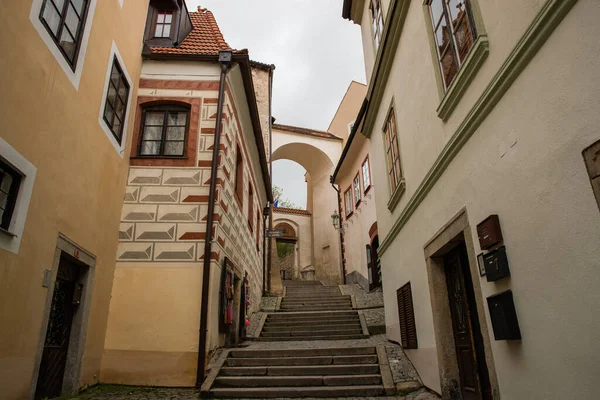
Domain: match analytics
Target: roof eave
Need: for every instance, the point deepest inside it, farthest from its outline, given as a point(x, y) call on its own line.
point(357, 124)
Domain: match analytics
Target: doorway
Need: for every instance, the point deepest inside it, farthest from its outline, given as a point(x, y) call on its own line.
point(66, 299)
point(468, 341)
point(374, 264)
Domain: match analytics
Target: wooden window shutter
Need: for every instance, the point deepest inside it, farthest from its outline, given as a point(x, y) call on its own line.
point(408, 329)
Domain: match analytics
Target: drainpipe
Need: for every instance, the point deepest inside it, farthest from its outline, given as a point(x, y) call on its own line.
point(269, 261)
point(339, 196)
point(225, 57)
point(266, 213)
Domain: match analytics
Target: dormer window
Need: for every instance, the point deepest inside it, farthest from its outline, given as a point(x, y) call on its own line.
point(164, 20)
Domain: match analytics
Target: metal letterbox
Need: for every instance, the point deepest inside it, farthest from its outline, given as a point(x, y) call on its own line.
point(496, 264)
point(504, 316)
point(489, 232)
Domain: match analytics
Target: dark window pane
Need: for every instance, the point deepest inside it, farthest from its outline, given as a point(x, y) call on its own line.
point(115, 75)
point(177, 118)
point(72, 20)
point(52, 18)
point(67, 42)
point(449, 68)
point(6, 182)
point(150, 148)
point(123, 90)
point(116, 128)
point(173, 148)
point(152, 133)
point(120, 109)
point(78, 4)
point(436, 10)
point(155, 118)
point(112, 94)
point(108, 114)
point(176, 133)
point(3, 200)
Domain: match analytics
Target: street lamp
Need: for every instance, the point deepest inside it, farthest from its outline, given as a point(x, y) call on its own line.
point(335, 217)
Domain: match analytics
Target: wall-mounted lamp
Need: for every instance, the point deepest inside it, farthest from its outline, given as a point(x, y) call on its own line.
point(335, 217)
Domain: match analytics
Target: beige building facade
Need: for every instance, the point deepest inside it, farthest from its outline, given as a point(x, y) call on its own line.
point(156, 306)
point(487, 218)
point(63, 175)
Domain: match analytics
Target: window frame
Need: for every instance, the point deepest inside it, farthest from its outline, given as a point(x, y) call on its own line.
point(349, 207)
point(366, 162)
point(451, 94)
point(239, 176)
point(78, 37)
point(357, 193)
point(155, 23)
point(123, 77)
point(377, 23)
point(452, 45)
point(392, 145)
point(8, 215)
point(397, 191)
point(251, 207)
point(165, 107)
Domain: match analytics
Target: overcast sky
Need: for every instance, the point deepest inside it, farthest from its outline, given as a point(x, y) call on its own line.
point(316, 53)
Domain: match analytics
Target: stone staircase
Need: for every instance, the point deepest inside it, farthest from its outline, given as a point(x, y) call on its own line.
point(308, 312)
point(327, 372)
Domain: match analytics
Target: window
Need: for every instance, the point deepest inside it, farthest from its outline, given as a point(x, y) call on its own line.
point(162, 27)
point(454, 32)
point(164, 131)
point(239, 175)
point(251, 207)
point(392, 151)
point(406, 313)
point(366, 174)
point(117, 96)
point(348, 202)
point(376, 22)
point(64, 20)
point(356, 185)
point(10, 180)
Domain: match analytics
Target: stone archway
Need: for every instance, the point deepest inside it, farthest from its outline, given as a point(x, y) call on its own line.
point(317, 152)
point(287, 249)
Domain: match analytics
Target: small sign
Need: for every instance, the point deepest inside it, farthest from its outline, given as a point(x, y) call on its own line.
point(274, 233)
point(46, 278)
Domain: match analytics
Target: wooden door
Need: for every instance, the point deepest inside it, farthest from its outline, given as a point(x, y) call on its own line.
point(374, 264)
point(56, 343)
point(474, 377)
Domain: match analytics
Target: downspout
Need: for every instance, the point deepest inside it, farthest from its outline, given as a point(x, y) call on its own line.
point(225, 57)
point(269, 260)
point(339, 196)
point(266, 213)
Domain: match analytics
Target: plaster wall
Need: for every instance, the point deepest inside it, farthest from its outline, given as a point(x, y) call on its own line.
point(523, 163)
point(347, 110)
point(262, 89)
point(304, 246)
point(77, 193)
point(356, 227)
point(161, 250)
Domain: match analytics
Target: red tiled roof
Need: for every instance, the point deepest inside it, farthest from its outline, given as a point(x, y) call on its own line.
point(306, 131)
point(294, 211)
point(204, 39)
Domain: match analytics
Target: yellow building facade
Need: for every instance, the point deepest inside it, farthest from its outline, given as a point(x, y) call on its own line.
point(66, 129)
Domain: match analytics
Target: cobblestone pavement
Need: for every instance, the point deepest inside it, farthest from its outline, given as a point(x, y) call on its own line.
point(374, 316)
point(115, 392)
point(363, 299)
point(269, 303)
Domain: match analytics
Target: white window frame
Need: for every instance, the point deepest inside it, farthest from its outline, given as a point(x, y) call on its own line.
point(74, 76)
point(348, 203)
point(11, 240)
point(366, 163)
point(120, 148)
point(356, 188)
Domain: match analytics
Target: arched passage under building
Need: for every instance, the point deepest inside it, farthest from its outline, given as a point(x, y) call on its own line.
point(317, 152)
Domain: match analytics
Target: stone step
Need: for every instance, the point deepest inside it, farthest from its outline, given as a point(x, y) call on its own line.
point(315, 327)
point(315, 303)
point(314, 308)
point(327, 370)
point(308, 380)
point(313, 332)
point(310, 314)
point(312, 391)
point(314, 299)
point(314, 291)
point(302, 361)
point(302, 338)
point(311, 322)
point(328, 351)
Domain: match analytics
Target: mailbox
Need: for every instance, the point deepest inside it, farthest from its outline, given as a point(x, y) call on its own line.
point(504, 316)
point(489, 232)
point(496, 264)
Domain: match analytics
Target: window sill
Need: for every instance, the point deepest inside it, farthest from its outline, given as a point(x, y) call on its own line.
point(367, 190)
point(475, 59)
point(158, 158)
point(348, 216)
point(5, 232)
point(397, 195)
